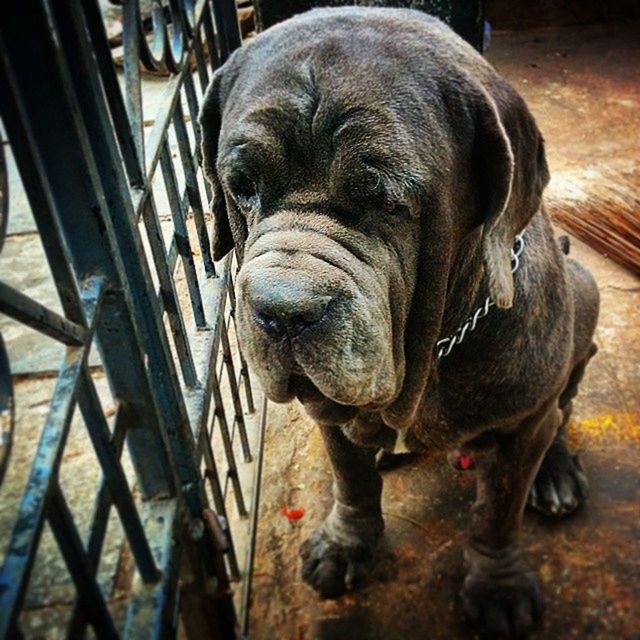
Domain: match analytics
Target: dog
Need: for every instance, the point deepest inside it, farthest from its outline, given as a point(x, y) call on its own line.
point(382, 187)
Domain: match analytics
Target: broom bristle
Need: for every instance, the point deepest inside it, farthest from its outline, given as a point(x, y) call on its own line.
point(608, 218)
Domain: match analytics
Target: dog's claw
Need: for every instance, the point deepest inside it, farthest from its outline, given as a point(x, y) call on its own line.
point(550, 496)
point(561, 485)
point(506, 611)
point(329, 567)
point(533, 496)
point(350, 578)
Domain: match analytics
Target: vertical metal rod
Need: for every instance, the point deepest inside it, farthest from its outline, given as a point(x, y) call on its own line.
point(201, 65)
point(211, 474)
point(133, 93)
point(212, 44)
point(227, 26)
point(227, 357)
point(219, 413)
point(129, 143)
point(168, 291)
point(192, 102)
point(244, 369)
point(182, 235)
point(101, 510)
point(193, 192)
point(255, 512)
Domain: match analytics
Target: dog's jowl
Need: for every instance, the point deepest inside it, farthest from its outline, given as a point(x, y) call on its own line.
point(382, 186)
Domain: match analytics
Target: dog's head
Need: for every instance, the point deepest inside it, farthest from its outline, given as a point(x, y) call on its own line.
point(351, 152)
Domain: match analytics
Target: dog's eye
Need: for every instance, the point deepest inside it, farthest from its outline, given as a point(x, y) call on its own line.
point(396, 209)
point(243, 188)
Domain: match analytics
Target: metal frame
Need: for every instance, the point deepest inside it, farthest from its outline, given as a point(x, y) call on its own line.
point(89, 177)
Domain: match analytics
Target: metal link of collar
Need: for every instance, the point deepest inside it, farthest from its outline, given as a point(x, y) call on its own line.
point(444, 346)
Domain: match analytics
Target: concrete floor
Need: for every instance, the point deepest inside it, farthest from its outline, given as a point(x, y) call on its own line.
point(582, 85)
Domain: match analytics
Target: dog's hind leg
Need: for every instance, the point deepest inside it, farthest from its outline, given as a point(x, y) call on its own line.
point(561, 485)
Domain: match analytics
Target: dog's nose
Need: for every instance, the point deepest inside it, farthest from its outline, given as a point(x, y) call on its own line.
point(286, 308)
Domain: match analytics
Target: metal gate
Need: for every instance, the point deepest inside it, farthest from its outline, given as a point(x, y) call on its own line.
point(92, 169)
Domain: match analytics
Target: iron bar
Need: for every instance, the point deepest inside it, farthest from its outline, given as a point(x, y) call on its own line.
point(133, 95)
point(201, 65)
point(212, 44)
point(235, 393)
point(244, 369)
point(192, 102)
point(152, 613)
point(192, 190)
point(28, 526)
point(168, 293)
point(181, 234)
point(101, 510)
point(253, 531)
point(68, 539)
point(211, 474)
point(227, 27)
point(23, 309)
point(129, 143)
point(80, 148)
point(116, 480)
point(158, 134)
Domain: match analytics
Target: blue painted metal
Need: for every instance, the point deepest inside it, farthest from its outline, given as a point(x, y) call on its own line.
point(102, 507)
point(115, 477)
point(30, 312)
point(193, 192)
point(68, 538)
point(28, 525)
point(89, 174)
point(152, 614)
point(7, 410)
point(4, 195)
point(7, 415)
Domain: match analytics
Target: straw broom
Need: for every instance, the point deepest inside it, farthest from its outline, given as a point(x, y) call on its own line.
point(607, 217)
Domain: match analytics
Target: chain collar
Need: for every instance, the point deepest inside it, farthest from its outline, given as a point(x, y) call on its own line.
point(444, 346)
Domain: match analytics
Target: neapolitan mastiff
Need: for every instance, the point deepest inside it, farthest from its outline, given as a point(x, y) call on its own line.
point(382, 187)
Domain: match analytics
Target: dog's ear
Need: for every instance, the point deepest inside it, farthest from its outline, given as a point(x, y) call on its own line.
point(210, 121)
point(510, 172)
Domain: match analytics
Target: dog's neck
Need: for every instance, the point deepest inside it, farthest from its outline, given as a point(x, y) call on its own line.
point(468, 286)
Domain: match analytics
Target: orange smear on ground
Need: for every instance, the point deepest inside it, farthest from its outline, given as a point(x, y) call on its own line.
point(604, 428)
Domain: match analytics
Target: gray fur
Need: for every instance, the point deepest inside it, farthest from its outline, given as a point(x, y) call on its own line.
point(372, 171)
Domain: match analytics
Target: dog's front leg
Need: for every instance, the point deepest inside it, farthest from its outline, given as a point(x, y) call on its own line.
point(500, 594)
point(348, 537)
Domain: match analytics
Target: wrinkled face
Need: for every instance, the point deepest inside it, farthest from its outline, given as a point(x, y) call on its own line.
point(370, 168)
point(328, 204)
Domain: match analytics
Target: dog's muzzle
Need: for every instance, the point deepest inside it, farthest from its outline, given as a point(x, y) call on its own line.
point(301, 317)
point(286, 307)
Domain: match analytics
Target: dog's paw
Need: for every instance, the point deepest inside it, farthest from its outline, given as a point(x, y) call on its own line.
point(506, 607)
point(561, 485)
point(330, 567)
